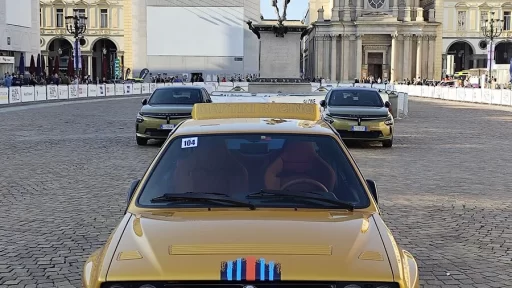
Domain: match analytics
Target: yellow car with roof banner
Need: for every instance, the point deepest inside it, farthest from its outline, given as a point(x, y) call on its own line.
point(252, 195)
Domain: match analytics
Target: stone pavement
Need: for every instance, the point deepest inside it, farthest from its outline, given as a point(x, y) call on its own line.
point(444, 189)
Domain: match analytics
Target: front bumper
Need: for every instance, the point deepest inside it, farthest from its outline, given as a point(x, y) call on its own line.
point(151, 128)
point(374, 131)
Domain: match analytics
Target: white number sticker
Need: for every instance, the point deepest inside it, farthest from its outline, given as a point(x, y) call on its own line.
point(309, 101)
point(189, 142)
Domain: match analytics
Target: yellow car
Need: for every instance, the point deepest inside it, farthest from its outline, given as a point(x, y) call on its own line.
point(359, 114)
point(252, 195)
point(165, 108)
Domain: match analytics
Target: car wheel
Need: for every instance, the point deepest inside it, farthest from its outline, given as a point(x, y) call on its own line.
point(387, 143)
point(142, 141)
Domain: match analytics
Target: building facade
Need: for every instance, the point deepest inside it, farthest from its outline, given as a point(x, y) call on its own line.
point(19, 33)
point(104, 40)
point(160, 49)
point(387, 39)
point(464, 44)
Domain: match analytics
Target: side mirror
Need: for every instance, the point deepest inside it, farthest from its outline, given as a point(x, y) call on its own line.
point(373, 189)
point(322, 103)
point(144, 102)
point(387, 104)
point(129, 195)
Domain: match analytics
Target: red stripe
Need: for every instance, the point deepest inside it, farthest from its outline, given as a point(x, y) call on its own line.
point(250, 269)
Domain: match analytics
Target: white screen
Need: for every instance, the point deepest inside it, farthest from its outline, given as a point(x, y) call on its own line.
point(18, 12)
point(195, 31)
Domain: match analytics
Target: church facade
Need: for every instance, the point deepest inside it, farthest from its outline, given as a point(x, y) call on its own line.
point(388, 39)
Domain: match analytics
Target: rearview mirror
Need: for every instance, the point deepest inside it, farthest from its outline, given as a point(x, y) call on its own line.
point(373, 189)
point(322, 103)
point(144, 102)
point(387, 104)
point(129, 195)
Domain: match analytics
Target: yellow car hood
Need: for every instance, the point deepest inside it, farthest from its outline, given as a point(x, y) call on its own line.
point(286, 245)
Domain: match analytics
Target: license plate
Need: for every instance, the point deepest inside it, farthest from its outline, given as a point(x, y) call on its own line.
point(358, 128)
point(167, 126)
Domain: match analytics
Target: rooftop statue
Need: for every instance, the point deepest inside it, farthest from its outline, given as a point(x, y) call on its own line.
point(279, 29)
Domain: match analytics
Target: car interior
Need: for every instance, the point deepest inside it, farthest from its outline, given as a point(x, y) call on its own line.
point(239, 166)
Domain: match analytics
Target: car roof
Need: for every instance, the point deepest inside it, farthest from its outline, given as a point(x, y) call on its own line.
point(179, 87)
point(354, 88)
point(254, 125)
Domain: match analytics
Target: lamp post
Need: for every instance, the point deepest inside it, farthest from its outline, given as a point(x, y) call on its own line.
point(491, 29)
point(104, 50)
point(76, 25)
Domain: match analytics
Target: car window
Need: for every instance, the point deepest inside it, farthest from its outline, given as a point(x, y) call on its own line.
point(176, 96)
point(240, 164)
point(355, 98)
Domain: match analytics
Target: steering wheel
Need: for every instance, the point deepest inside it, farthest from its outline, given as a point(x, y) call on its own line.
point(305, 181)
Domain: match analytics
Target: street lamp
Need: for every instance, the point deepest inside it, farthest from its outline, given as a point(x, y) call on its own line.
point(76, 25)
point(491, 29)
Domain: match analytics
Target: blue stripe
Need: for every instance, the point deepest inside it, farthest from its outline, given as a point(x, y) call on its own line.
point(262, 267)
point(271, 270)
point(239, 269)
point(229, 269)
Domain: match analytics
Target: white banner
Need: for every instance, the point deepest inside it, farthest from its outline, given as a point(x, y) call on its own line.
point(4, 95)
point(159, 85)
point(137, 88)
point(73, 91)
point(52, 92)
point(40, 93)
point(119, 89)
point(110, 90)
point(63, 92)
point(82, 90)
point(145, 88)
point(27, 94)
point(91, 90)
point(128, 89)
point(101, 91)
point(14, 94)
point(152, 87)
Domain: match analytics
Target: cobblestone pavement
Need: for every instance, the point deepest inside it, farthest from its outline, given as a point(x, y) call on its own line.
point(444, 189)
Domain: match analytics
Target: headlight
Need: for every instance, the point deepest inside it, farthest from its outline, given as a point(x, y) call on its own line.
point(389, 121)
point(147, 286)
point(140, 119)
point(352, 286)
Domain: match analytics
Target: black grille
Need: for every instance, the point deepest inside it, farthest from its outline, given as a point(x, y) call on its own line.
point(165, 115)
point(360, 134)
point(242, 284)
point(355, 117)
point(157, 132)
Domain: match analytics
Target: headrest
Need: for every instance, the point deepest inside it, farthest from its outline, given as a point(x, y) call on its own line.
point(298, 151)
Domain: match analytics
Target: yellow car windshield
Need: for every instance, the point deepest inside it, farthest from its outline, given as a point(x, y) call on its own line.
point(238, 165)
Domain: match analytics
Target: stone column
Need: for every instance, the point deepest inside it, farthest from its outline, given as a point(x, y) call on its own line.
point(394, 8)
point(319, 54)
point(419, 14)
point(394, 57)
point(345, 67)
point(334, 56)
point(359, 55)
point(399, 58)
point(346, 11)
point(359, 8)
point(431, 55)
point(407, 57)
point(335, 10)
point(89, 65)
point(407, 11)
point(326, 49)
point(419, 58)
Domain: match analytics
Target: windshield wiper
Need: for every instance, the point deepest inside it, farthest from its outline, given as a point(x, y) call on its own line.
point(195, 197)
point(301, 195)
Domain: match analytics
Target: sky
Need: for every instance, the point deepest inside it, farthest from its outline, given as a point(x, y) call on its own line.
point(296, 9)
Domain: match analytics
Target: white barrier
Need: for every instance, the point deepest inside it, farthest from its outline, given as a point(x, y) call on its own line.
point(501, 97)
point(53, 92)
